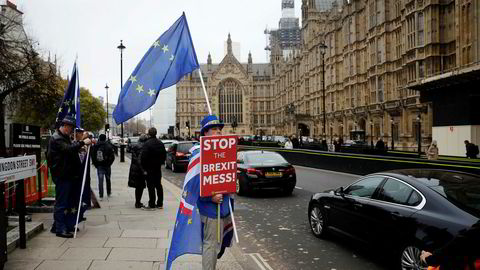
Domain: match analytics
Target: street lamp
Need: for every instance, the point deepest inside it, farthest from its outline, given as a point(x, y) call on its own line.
point(107, 126)
point(371, 133)
point(419, 134)
point(121, 47)
point(331, 133)
point(393, 128)
point(323, 48)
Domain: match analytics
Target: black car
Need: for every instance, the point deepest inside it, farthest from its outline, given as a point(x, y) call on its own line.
point(407, 210)
point(264, 169)
point(178, 155)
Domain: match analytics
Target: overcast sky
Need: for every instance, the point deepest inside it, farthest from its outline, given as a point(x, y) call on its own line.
point(93, 30)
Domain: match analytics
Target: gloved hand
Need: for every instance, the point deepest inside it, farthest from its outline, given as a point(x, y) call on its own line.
point(87, 141)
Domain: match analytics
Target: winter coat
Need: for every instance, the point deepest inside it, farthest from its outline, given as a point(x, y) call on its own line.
point(153, 157)
point(62, 156)
point(102, 154)
point(432, 152)
point(136, 174)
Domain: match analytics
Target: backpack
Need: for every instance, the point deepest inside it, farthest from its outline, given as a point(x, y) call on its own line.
point(475, 149)
point(100, 154)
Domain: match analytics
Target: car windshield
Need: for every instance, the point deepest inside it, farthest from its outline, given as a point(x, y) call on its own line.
point(265, 157)
point(184, 147)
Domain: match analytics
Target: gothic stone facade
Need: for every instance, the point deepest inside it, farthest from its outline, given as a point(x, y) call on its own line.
point(375, 50)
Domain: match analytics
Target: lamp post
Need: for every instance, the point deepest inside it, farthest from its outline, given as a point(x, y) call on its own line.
point(371, 133)
point(331, 133)
point(323, 48)
point(107, 126)
point(419, 134)
point(121, 47)
point(393, 136)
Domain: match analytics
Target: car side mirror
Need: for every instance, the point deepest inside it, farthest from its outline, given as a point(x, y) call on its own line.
point(340, 191)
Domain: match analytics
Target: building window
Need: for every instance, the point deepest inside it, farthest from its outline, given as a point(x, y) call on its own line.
point(380, 83)
point(421, 69)
point(420, 28)
point(230, 96)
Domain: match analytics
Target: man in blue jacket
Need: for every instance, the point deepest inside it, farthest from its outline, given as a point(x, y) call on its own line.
point(207, 207)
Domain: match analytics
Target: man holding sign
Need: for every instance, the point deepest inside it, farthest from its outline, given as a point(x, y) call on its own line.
point(217, 180)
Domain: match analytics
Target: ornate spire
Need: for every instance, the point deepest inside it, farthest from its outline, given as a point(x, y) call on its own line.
point(229, 44)
point(249, 57)
point(209, 59)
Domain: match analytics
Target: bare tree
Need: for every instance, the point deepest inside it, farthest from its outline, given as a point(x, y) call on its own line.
point(23, 74)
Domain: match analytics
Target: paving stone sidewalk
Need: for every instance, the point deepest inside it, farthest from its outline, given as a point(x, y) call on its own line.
point(117, 236)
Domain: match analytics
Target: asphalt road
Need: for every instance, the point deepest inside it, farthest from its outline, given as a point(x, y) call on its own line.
point(274, 229)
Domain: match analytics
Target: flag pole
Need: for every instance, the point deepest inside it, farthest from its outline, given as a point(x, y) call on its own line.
point(205, 91)
point(233, 220)
point(218, 224)
point(81, 192)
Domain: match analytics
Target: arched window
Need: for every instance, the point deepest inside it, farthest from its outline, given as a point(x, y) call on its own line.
point(230, 95)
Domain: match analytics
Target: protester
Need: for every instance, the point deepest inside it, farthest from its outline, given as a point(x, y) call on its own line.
point(460, 253)
point(295, 142)
point(136, 175)
point(151, 159)
point(432, 152)
point(207, 206)
point(102, 158)
point(380, 145)
point(288, 144)
point(62, 156)
point(472, 149)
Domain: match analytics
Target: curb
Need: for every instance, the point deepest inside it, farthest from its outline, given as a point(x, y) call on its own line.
point(13, 236)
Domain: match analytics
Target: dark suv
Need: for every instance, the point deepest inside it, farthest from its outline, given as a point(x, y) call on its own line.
point(178, 155)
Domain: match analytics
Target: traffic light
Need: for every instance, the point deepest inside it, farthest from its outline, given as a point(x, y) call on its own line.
point(187, 124)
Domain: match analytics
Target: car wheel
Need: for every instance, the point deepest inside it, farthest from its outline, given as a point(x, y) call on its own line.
point(317, 220)
point(287, 191)
point(241, 189)
point(410, 258)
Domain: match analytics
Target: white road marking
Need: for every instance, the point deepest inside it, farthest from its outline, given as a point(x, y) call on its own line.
point(260, 261)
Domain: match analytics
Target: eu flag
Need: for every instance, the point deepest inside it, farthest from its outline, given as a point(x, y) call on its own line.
point(168, 59)
point(71, 100)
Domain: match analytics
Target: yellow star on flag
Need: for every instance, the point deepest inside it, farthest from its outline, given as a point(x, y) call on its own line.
point(171, 57)
point(185, 193)
point(156, 44)
point(140, 88)
point(60, 110)
point(189, 221)
point(165, 48)
point(151, 92)
point(133, 79)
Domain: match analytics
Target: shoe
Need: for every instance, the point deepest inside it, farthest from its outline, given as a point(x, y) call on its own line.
point(72, 230)
point(159, 206)
point(139, 205)
point(65, 235)
point(148, 208)
point(83, 219)
point(109, 195)
point(52, 230)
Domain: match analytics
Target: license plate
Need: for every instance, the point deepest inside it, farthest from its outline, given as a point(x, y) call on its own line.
point(273, 174)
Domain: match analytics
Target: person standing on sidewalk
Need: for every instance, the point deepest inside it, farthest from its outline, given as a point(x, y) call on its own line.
point(207, 207)
point(102, 158)
point(151, 159)
point(62, 156)
point(136, 175)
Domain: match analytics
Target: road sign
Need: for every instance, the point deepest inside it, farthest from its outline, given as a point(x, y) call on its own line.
point(17, 168)
point(218, 161)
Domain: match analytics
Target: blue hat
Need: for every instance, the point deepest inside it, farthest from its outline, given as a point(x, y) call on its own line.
point(69, 120)
point(209, 122)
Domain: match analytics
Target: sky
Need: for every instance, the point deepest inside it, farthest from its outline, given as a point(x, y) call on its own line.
point(92, 30)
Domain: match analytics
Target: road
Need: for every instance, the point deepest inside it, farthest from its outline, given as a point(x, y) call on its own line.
point(275, 229)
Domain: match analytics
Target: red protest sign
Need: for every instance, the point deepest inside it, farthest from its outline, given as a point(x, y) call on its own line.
point(218, 163)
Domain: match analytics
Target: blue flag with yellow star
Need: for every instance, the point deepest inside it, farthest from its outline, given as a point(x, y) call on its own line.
point(168, 59)
point(71, 100)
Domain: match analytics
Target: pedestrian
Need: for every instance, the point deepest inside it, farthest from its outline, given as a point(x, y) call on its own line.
point(207, 206)
point(432, 152)
point(288, 144)
point(472, 149)
point(62, 156)
point(102, 158)
point(460, 253)
point(136, 175)
point(295, 142)
point(380, 145)
point(151, 159)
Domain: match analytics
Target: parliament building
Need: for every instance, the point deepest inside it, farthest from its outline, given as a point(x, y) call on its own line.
point(396, 70)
